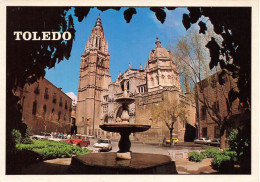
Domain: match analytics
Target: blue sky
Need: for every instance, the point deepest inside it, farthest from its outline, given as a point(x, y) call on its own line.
point(128, 42)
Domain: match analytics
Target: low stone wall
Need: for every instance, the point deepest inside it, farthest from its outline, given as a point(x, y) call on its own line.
point(180, 154)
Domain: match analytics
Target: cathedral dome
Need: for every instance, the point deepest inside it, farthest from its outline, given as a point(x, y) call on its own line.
point(159, 51)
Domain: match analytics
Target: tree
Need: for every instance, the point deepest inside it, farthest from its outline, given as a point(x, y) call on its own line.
point(192, 59)
point(233, 53)
point(169, 112)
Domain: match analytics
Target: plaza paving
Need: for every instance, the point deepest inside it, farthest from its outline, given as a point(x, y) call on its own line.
point(61, 166)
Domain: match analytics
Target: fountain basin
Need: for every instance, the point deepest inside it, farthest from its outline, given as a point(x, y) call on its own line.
point(125, 127)
point(107, 163)
point(125, 100)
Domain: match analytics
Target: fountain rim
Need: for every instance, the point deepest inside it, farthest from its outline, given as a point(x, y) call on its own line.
point(121, 127)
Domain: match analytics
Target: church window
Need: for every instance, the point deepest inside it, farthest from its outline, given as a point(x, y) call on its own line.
point(203, 112)
point(34, 109)
point(128, 85)
point(204, 132)
point(44, 108)
point(66, 105)
point(216, 132)
point(60, 102)
point(122, 86)
point(59, 115)
point(163, 81)
point(216, 106)
point(37, 90)
point(54, 98)
point(46, 95)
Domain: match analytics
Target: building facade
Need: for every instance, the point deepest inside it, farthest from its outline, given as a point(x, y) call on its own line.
point(216, 95)
point(45, 108)
point(158, 82)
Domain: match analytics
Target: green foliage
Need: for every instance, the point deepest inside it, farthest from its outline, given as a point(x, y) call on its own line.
point(51, 149)
point(210, 152)
point(238, 145)
point(232, 140)
point(16, 136)
point(27, 139)
point(232, 154)
point(196, 156)
point(221, 162)
point(224, 161)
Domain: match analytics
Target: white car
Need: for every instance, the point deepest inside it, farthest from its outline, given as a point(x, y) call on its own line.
point(103, 144)
point(202, 141)
point(59, 138)
point(42, 135)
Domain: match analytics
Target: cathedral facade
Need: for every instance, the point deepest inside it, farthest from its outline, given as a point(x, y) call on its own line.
point(158, 81)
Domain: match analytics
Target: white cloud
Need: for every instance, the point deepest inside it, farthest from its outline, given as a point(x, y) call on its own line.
point(73, 97)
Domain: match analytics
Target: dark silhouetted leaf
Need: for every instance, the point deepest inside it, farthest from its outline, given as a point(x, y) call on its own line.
point(81, 12)
point(171, 8)
point(214, 50)
point(218, 29)
point(232, 95)
point(194, 14)
point(159, 13)
point(107, 8)
point(221, 79)
point(128, 14)
point(222, 64)
point(203, 27)
point(186, 21)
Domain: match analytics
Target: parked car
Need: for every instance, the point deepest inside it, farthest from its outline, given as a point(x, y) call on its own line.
point(79, 140)
point(58, 138)
point(103, 144)
point(174, 140)
point(215, 142)
point(42, 135)
point(202, 141)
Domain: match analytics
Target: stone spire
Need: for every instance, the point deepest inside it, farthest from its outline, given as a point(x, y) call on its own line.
point(97, 40)
point(98, 22)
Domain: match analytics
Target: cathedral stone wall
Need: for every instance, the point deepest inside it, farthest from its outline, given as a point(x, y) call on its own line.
point(144, 106)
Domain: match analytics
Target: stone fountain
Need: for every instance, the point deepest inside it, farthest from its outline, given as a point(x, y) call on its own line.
point(123, 161)
point(124, 127)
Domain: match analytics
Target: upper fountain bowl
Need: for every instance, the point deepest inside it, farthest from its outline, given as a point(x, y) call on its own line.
point(125, 100)
point(125, 127)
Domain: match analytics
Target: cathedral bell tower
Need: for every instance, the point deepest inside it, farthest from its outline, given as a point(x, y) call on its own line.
point(93, 81)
